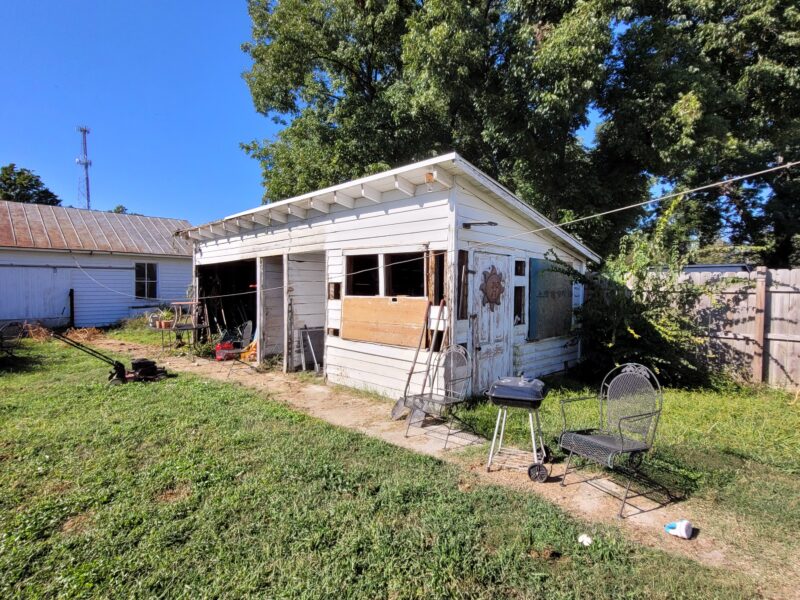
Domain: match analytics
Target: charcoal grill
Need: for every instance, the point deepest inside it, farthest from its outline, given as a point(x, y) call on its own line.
point(525, 393)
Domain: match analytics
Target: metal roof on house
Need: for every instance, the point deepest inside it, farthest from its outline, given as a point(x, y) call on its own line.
point(377, 188)
point(42, 227)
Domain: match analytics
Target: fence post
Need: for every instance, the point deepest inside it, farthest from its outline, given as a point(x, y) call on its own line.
point(759, 335)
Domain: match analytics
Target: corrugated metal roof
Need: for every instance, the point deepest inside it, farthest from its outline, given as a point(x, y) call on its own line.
point(59, 228)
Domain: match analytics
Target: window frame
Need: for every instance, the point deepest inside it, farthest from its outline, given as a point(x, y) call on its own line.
point(346, 288)
point(382, 253)
point(425, 256)
point(147, 280)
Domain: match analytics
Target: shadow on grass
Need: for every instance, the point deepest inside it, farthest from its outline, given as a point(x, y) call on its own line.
point(20, 362)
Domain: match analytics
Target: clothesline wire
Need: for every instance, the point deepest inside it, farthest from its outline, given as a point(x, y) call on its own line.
point(493, 242)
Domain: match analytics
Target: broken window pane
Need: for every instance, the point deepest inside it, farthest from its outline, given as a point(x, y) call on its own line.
point(362, 275)
point(405, 274)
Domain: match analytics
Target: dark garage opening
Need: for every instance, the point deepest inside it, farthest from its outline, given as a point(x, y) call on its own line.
point(229, 293)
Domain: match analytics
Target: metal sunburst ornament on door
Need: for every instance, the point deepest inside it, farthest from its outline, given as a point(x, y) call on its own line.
point(492, 288)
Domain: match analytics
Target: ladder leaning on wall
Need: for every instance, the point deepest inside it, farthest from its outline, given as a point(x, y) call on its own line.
point(441, 325)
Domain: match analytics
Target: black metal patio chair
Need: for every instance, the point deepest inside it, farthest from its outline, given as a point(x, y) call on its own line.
point(629, 406)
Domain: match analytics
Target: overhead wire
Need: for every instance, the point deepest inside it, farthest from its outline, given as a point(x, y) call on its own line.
point(493, 242)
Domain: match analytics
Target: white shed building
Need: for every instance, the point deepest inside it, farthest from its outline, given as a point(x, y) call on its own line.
point(359, 263)
point(89, 268)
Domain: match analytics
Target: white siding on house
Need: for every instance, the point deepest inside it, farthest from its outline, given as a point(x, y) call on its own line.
point(35, 286)
point(404, 221)
point(372, 367)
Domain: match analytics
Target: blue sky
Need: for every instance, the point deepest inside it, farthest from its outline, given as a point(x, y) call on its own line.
point(158, 83)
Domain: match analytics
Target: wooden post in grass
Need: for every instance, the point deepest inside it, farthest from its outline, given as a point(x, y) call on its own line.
point(759, 335)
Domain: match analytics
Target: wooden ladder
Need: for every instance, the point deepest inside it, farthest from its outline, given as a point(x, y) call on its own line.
point(399, 408)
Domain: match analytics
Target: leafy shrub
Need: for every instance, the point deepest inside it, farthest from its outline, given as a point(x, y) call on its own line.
point(639, 308)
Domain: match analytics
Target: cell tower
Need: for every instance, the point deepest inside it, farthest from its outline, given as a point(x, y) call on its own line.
point(84, 161)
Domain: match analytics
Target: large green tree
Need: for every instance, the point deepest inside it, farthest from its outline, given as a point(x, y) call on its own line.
point(23, 185)
point(688, 91)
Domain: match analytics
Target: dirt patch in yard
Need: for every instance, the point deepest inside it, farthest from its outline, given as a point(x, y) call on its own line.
point(76, 524)
point(723, 543)
point(174, 494)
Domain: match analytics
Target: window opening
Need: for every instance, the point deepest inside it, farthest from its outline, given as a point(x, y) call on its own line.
point(405, 274)
point(146, 280)
point(437, 277)
point(463, 284)
point(334, 291)
point(519, 267)
point(362, 275)
point(519, 305)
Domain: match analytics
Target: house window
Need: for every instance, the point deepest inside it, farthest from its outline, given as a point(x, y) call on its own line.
point(362, 275)
point(334, 291)
point(549, 301)
point(146, 281)
point(405, 274)
point(519, 305)
point(519, 268)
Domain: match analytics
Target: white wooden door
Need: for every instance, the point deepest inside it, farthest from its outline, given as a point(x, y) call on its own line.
point(492, 322)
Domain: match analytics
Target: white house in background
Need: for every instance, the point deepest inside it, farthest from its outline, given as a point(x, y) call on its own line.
point(359, 264)
point(90, 267)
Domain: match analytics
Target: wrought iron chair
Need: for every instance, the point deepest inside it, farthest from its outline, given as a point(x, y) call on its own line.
point(10, 336)
point(448, 389)
point(629, 406)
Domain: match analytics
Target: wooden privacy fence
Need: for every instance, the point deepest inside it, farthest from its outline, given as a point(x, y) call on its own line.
point(752, 325)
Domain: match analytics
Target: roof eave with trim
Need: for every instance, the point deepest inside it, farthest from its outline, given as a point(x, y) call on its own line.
point(438, 171)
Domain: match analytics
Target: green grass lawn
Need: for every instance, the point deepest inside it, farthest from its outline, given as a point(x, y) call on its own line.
point(187, 488)
point(739, 449)
point(136, 331)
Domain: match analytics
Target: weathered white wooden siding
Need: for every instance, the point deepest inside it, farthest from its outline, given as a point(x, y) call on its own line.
point(35, 286)
point(402, 221)
point(510, 237)
point(372, 367)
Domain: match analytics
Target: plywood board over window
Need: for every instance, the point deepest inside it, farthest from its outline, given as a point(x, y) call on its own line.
point(393, 321)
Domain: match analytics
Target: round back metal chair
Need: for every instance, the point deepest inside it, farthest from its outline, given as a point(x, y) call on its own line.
point(453, 372)
point(630, 402)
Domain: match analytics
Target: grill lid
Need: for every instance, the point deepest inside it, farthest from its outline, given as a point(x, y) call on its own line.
point(518, 388)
